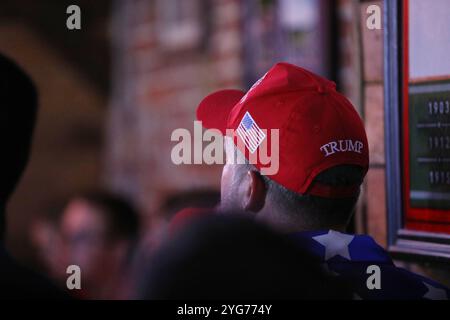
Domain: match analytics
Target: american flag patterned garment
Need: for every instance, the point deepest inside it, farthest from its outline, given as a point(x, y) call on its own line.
point(349, 256)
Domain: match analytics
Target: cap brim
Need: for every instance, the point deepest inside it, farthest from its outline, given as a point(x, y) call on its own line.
point(213, 111)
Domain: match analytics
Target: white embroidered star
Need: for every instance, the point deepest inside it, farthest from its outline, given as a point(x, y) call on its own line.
point(435, 293)
point(335, 243)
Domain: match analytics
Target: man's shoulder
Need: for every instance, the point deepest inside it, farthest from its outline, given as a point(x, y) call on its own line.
point(367, 266)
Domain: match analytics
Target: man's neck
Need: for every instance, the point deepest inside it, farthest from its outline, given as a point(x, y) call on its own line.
point(287, 224)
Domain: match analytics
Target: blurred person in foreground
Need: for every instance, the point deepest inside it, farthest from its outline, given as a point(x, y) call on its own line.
point(99, 231)
point(232, 257)
point(177, 209)
point(322, 160)
point(159, 226)
point(18, 109)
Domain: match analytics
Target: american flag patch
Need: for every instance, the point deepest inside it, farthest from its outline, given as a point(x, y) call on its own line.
point(250, 133)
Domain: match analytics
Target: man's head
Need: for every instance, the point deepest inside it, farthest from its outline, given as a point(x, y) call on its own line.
point(321, 144)
point(98, 230)
point(18, 109)
point(243, 187)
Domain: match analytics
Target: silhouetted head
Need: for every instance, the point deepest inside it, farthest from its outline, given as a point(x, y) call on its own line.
point(18, 108)
point(232, 257)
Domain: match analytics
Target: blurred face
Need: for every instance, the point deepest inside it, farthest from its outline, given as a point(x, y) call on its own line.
point(84, 236)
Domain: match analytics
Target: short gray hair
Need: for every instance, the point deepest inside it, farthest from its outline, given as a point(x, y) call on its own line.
point(318, 212)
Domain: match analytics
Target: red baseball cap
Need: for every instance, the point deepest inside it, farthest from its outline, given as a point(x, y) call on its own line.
point(318, 127)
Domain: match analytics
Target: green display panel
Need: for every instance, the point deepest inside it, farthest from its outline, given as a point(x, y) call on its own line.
point(429, 147)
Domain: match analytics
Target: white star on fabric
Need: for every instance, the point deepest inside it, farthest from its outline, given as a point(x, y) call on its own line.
point(335, 243)
point(435, 293)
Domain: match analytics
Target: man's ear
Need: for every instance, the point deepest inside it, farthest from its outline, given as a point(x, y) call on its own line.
point(255, 191)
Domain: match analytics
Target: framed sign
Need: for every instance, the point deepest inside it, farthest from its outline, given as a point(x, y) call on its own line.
point(417, 125)
point(426, 109)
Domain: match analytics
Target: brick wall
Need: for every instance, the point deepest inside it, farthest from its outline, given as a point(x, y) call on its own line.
point(361, 80)
point(372, 53)
point(156, 89)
